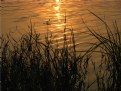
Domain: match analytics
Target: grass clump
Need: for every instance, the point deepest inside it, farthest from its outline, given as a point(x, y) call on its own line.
point(109, 45)
point(30, 64)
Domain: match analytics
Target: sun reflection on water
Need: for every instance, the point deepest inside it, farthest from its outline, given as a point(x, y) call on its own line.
point(57, 8)
point(57, 1)
point(58, 13)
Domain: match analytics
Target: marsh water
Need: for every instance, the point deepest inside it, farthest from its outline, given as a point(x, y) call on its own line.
point(17, 14)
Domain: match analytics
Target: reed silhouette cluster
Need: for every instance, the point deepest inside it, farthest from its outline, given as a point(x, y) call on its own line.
point(29, 64)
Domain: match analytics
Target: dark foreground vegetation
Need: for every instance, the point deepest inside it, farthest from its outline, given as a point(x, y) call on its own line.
point(32, 65)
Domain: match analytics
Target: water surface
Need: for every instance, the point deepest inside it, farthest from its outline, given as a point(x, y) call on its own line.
point(16, 16)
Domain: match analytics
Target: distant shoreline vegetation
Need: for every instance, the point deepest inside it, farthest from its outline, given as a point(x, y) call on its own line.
point(29, 64)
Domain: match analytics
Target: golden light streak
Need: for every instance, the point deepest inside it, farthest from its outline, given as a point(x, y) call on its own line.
point(58, 14)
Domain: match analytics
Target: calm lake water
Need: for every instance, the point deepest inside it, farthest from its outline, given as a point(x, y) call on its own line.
point(16, 16)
